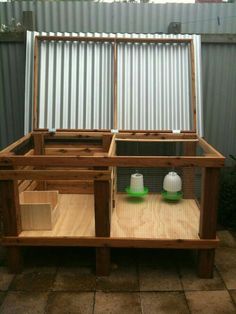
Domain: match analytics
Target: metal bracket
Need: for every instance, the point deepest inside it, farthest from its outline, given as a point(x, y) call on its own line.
point(176, 131)
point(114, 131)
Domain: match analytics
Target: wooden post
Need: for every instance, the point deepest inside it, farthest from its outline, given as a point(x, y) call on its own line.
point(102, 206)
point(208, 219)
point(189, 172)
point(39, 149)
point(9, 203)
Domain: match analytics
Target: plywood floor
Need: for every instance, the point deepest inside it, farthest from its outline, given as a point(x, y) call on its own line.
point(155, 218)
point(76, 217)
point(150, 218)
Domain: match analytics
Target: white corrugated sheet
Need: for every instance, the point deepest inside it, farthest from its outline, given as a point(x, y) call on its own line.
point(76, 84)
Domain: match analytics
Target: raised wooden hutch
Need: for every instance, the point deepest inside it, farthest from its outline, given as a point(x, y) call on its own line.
point(82, 166)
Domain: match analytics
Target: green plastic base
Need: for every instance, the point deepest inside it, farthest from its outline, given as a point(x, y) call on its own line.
point(172, 196)
point(136, 194)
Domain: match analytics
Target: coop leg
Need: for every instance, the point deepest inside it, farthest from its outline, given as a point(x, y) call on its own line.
point(102, 261)
point(14, 259)
point(205, 263)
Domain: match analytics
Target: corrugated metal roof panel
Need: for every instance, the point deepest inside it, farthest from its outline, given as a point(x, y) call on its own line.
point(76, 84)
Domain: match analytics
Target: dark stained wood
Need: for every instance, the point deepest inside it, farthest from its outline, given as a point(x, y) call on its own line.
point(102, 208)
point(205, 267)
point(9, 200)
point(209, 203)
point(55, 174)
point(121, 161)
point(115, 39)
point(111, 242)
point(39, 148)
point(208, 219)
point(103, 261)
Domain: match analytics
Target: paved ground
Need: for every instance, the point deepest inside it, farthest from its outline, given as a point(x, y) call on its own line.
point(141, 281)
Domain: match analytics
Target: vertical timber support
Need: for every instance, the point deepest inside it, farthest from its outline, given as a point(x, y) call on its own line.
point(10, 206)
point(208, 219)
point(102, 201)
point(39, 149)
point(189, 172)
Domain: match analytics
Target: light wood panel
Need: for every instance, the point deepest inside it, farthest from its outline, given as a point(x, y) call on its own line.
point(154, 218)
point(76, 218)
point(39, 210)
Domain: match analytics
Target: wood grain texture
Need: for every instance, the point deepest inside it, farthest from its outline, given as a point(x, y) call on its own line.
point(88, 241)
point(9, 205)
point(119, 161)
point(39, 210)
point(155, 218)
point(102, 206)
point(209, 202)
point(76, 218)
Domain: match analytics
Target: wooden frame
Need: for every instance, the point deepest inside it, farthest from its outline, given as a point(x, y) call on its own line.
point(41, 167)
point(115, 41)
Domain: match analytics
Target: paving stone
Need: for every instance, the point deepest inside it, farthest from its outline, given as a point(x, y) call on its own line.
point(163, 302)
point(226, 239)
point(210, 302)
point(154, 256)
point(34, 279)
point(123, 278)
point(2, 296)
point(117, 303)
point(226, 264)
point(75, 279)
point(159, 278)
point(233, 295)
point(5, 278)
point(191, 281)
point(24, 303)
point(70, 302)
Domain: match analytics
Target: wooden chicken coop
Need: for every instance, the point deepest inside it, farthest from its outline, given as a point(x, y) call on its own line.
point(59, 187)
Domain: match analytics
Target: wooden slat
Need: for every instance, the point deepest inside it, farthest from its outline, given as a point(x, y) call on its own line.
point(9, 204)
point(209, 149)
point(193, 87)
point(169, 140)
point(115, 39)
point(16, 144)
point(208, 219)
point(112, 149)
point(115, 106)
point(155, 135)
point(71, 187)
point(55, 174)
point(35, 107)
point(75, 151)
point(121, 161)
point(102, 208)
point(110, 242)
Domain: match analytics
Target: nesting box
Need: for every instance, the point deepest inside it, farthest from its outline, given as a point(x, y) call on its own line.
point(148, 97)
point(39, 210)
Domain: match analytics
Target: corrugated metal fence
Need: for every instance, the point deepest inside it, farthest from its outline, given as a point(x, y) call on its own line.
point(218, 60)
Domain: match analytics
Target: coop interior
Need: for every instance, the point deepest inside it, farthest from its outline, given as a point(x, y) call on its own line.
point(59, 207)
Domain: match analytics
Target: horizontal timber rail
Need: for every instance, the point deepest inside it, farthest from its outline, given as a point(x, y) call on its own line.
point(55, 174)
point(119, 161)
point(111, 242)
point(114, 39)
